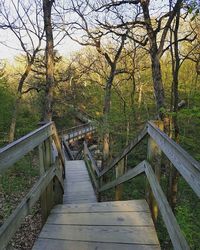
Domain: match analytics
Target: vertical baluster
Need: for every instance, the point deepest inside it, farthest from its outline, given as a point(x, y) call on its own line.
point(154, 158)
point(119, 171)
point(45, 155)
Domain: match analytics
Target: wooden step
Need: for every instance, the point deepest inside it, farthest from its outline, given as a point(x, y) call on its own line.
point(108, 225)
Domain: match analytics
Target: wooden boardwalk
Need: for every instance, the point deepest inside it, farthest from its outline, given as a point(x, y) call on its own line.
point(82, 223)
point(78, 187)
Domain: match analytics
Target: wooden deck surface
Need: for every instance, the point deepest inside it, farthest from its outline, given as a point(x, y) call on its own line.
point(82, 223)
point(78, 187)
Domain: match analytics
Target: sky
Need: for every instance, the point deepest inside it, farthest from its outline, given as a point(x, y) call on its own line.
point(13, 49)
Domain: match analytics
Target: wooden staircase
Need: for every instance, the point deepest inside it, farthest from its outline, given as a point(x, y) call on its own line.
point(79, 221)
point(83, 223)
point(77, 185)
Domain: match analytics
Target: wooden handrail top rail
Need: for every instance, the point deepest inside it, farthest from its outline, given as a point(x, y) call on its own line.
point(173, 228)
point(183, 153)
point(88, 153)
point(126, 150)
point(23, 145)
point(75, 128)
point(188, 167)
point(67, 149)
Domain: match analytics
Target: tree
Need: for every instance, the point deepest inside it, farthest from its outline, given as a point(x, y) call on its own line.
point(47, 10)
point(25, 24)
point(94, 35)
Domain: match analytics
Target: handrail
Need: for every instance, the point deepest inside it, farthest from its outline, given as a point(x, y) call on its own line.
point(93, 169)
point(183, 162)
point(176, 236)
point(52, 174)
point(173, 228)
point(126, 150)
point(188, 167)
point(67, 149)
point(88, 153)
point(130, 174)
point(76, 128)
point(23, 145)
point(8, 229)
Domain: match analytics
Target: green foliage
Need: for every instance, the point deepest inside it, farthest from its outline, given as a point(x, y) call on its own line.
point(6, 104)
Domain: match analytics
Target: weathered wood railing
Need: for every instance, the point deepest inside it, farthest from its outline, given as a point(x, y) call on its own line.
point(49, 187)
point(188, 167)
point(68, 151)
point(92, 167)
point(78, 131)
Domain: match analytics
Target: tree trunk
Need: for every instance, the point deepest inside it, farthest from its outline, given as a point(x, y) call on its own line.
point(157, 82)
point(11, 134)
point(106, 111)
point(174, 174)
point(155, 61)
point(47, 7)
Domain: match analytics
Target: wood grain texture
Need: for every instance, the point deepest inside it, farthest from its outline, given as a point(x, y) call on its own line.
point(112, 206)
point(53, 244)
point(102, 218)
point(107, 225)
point(119, 234)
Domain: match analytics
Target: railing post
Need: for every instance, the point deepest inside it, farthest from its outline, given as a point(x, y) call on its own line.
point(58, 192)
point(154, 158)
point(119, 188)
point(100, 181)
point(45, 155)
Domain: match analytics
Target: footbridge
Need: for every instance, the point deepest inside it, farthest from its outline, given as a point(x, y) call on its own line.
point(70, 189)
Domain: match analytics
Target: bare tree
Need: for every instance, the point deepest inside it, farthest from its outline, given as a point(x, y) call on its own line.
point(47, 10)
point(24, 21)
point(145, 30)
point(91, 33)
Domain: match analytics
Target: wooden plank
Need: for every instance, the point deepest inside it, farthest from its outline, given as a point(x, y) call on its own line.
point(52, 244)
point(119, 171)
point(93, 163)
point(173, 228)
point(120, 234)
point(109, 207)
point(78, 187)
point(68, 150)
point(78, 132)
point(11, 225)
point(125, 177)
point(94, 180)
point(82, 196)
point(25, 144)
point(125, 151)
point(154, 155)
point(58, 146)
point(188, 167)
point(102, 218)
